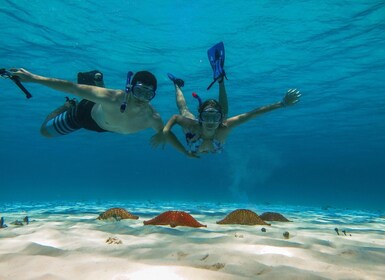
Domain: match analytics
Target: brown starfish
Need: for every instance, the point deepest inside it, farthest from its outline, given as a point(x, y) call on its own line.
point(174, 218)
point(242, 217)
point(117, 213)
point(272, 216)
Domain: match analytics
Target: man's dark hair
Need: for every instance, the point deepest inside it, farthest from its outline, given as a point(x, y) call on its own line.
point(144, 77)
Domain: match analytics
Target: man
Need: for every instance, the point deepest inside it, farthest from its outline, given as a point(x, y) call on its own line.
point(119, 111)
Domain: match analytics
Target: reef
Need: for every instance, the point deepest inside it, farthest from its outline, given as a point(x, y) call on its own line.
point(243, 217)
point(174, 218)
point(117, 214)
point(273, 216)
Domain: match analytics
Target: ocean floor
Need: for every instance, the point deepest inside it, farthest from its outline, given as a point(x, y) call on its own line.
point(66, 241)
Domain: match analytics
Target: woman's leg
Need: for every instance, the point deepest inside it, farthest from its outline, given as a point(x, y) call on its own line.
point(180, 100)
point(181, 103)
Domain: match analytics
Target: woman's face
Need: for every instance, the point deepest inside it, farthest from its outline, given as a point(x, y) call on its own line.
point(210, 118)
point(210, 126)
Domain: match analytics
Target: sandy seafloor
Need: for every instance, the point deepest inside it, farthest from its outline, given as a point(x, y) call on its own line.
point(65, 241)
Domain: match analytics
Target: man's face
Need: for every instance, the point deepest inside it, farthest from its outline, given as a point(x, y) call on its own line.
point(143, 92)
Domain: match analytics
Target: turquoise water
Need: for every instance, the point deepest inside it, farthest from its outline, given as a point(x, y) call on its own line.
point(329, 150)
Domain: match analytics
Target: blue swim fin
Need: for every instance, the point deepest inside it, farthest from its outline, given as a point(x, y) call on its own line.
point(177, 81)
point(216, 56)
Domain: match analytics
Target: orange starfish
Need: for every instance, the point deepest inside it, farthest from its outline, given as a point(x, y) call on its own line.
point(174, 218)
point(242, 217)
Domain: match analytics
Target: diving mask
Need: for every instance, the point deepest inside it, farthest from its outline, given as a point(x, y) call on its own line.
point(142, 92)
point(210, 115)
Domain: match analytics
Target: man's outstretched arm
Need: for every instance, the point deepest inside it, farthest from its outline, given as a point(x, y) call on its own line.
point(93, 93)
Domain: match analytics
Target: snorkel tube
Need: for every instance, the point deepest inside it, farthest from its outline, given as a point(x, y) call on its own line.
point(127, 91)
point(196, 96)
point(6, 74)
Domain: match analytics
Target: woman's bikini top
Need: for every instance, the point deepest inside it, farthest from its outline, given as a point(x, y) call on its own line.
point(194, 143)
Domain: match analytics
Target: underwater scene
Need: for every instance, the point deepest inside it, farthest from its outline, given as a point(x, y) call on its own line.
point(192, 139)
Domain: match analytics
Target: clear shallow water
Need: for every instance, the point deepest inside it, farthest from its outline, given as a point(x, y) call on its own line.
point(326, 151)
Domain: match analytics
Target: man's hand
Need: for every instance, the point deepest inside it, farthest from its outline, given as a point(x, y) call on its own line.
point(292, 96)
point(23, 75)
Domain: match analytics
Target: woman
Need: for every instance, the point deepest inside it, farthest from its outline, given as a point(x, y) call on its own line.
point(208, 132)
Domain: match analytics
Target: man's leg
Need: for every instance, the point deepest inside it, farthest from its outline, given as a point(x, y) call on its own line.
point(61, 121)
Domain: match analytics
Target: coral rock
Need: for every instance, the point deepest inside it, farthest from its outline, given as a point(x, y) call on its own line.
point(242, 217)
point(113, 240)
point(174, 218)
point(117, 214)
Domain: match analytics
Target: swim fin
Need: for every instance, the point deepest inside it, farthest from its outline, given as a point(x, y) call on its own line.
point(177, 81)
point(216, 56)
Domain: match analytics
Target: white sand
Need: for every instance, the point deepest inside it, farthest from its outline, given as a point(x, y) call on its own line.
point(73, 246)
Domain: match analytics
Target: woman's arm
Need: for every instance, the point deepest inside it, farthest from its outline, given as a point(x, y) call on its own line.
point(166, 135)
point(92, 93)
point(291, 97)
point(180, 120)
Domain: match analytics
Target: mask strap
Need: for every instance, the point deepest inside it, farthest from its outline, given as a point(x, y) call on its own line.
point(127, 91)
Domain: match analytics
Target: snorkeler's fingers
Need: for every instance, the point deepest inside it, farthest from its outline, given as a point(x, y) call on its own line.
point(153, 143)
point(293, 91)
point(15, 70)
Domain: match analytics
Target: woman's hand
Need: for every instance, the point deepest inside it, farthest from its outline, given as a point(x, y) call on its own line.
point(158, 139)
point(292, 96)
point(191, 154)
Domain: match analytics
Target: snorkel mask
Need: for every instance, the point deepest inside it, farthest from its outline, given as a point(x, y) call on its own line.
point(210, 115)
point(210, 111)
point(140, 91)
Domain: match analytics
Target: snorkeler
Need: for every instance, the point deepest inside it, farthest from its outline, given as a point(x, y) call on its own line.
point(208, 132)
point(118, 111)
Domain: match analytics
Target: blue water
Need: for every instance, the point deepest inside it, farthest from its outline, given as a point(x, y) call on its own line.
point(328, 150)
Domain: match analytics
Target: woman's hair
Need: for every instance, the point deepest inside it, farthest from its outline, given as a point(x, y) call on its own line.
point(211, 103)
point(146, 78)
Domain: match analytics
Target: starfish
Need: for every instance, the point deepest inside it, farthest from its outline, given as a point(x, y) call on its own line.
point(242, 217)
point(117, 214)
point(174, 218)
point(272, 216)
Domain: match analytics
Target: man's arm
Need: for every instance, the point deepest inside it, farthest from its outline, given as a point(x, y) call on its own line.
point(92, 93)
point(291, 97)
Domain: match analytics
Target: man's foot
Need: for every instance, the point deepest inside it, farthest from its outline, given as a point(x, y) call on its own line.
point(176, 81)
